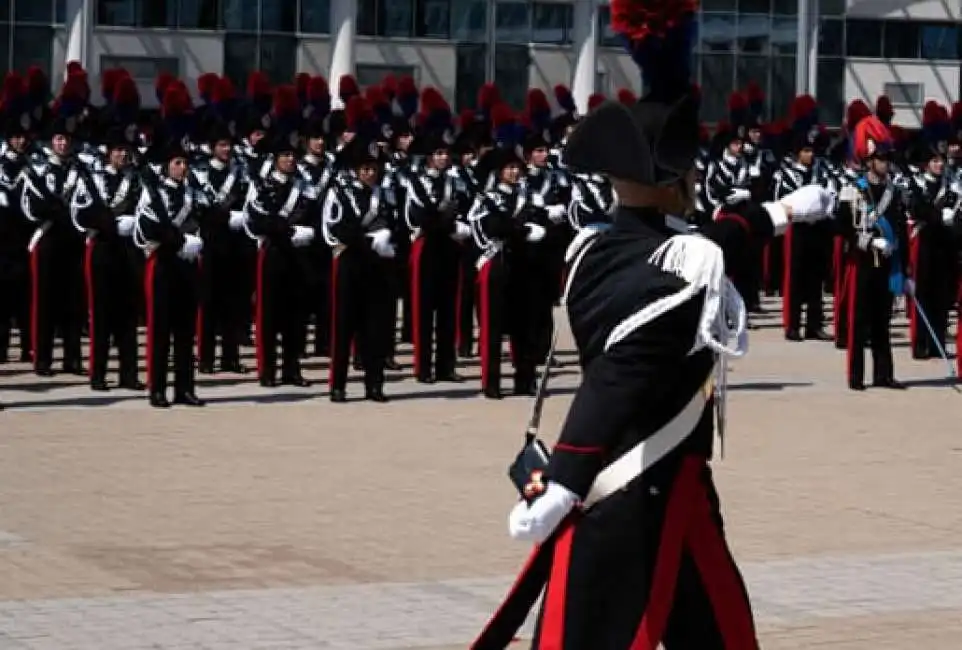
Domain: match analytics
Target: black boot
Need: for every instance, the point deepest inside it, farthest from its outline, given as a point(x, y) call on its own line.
point(159, 401)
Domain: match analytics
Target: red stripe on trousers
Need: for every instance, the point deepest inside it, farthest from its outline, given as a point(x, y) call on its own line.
point(553, 617)
point(484, 318)
point(35, 302)
point(851, 279)
point(787, 278)
point(149, 273)
point(414, 264)
point(334, 306)
point(259, 339)
point(91, 320)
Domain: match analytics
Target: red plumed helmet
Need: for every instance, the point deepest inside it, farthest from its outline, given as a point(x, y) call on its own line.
point(126, 93)
point(899, 134)
point(488, 96)
point(389, 86)
point(737, 102)
point(723, 126)
point(224, 91)
point(501, 114)
point(13, 86)
point(883, 107)
point(75, 87)
point(406, 87)
point(465, 118)
point(36, 79)
point(74, 66)
point(356, 112)
point(258, 84)
point(626, 97)
point(704, 136)
point(754, 93)
point(871, 136)
point(931, 113)
point(432, 100)
point(802, 107)
point(318, 88)
point(176, 99)
point(857, 111)
point(956, 115)
point(375, 95)
point(206, 84)
point(108, 82)
point(562, 95)
point(536, 101)
point(595, 101)
point(285, 100)
point(347, 87)
point(301, 79)
point(162, 82)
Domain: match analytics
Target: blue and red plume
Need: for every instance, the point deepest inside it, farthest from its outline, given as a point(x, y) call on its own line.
point(596, 100)
point(301, 80)
point(224, 98)
point(756, 99)
point(206, 84)
point(14, 92)
point(737, 109)
point(466, 119)
point(319, 95)
point(73, 96)
point(626, 97)
point(488, 97)
point(74, 67)
point(359, 117)
point(407, 96)
point(504, 125)
point(286, 107)
point(804, 113)
point(108, 82)
point(38, 87)
point(660, 37)
point(435, 112)
point(176, 109)
point(379, 103)
point(161, 83)
point(936, 126)
point(389, 86)
point(538, 109)
point(126, 99)
point(566, 101)
point(347, 88)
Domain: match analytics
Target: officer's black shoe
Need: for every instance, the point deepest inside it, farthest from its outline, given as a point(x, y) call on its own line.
point(889, 383)
point(268, 382)
point(295, 380)
point(450, 377)
point(358, 365)
point(44, 371)
point(25, 356)
point(818, 335)
point(493, 393)
point(99, 385)
point(75, 368)
point(235, 367)
point(525, 388)
point(375, 395)
point(426, 379)
point(159, 401)
point(393, 365)
point(188, 399)
point(338, 396)
point(133, 384)
point(856, 385)
point(465, 353)
point(793, 335)
point(205, 368)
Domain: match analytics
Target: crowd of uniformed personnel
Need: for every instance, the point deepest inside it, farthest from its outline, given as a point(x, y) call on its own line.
point(309, 223)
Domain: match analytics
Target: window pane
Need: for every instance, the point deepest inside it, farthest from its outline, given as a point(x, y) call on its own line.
point(718, 32)
point(831, 90)
point(240, 15)
point(31, 46)
point(278, 58)
point(783, 84)
point(469, 20)
point(158, 13)
point(60, 11)
point(752, 68)
point(606, 37)
point(398, 17)
point(199, 14)
point(753, 33)
point(719, 5)
point(831, 7)
point(754, 6)
point(939, 41)
point(372, 75)
point(863, 38)
point(433, 20)
point(900, 40)
point(5, 48)
point(316, 16)
point(33, 11)
point(511, 73)
point(551, 22)
point(831, 40)
point(785, 7)
point(470, 72)
point(367, 17)
point(512, 22)
point(717, 72)
point(278, 15)
point(784, 35)
point(240, 57)
point(117, 13)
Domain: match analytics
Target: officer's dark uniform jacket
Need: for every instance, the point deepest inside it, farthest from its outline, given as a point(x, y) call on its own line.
point(499, 215)
point(431, 203)
point(723, 175)
point(112, 193)
point(46, 193)
point(592, 200)
point(351, 210)
point(275, 205)
point(224, 188)
point(165, 213)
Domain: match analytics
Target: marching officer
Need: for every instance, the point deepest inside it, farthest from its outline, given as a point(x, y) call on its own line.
point(15, 233)
point(103, 208)
point(358, 226)
point(167, 229)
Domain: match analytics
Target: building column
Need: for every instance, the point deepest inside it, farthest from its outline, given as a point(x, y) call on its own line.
point(806, 57)
point(585, 36)
point(343, 32)
point(79, 23)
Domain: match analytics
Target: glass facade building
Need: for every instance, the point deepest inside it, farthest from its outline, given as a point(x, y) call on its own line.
point(457, 45)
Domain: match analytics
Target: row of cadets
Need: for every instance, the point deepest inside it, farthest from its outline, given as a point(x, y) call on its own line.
point(168, 226)
point(806, 247)
point(56, 247)
point(935, 204)
point(358, 224)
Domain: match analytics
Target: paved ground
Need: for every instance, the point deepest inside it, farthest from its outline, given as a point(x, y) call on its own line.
point(274, 519)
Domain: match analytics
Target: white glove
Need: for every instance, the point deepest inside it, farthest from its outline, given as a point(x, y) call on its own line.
point(738, 195)
point(125, 224)
point(237, 220)
point(381, 243)
point(461, 231)
point(536, 522)
point(948, 216)
point(535, 232)
point(810, 203)
point(302, 236)
point(909, 287)
point(557, 213)
point(864, 240)
point(883, 246)
point(191, 249)
point(848, 194)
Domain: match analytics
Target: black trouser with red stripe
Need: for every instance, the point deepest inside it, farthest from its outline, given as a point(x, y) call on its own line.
point(319, 290)
point(57, 302)
point(112, 304)
point(805, 276)
point(170, 285)
point(435, 264)
point(936, 280)
point(224, 304)
point(14, 292)
point(281, 310)
point(363, 306)
point(466, 298)
point(869, 304)
point(647, 565)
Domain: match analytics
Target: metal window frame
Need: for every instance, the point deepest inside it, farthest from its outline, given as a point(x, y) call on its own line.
point(895, 90)
point(398, 70)
point(108, 61)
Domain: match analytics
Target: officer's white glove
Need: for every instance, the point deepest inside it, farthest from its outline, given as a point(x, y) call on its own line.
point(557, 213)
point(4, 201)
point(191, 249)
point(536, 522)
point(237, 219)
point(848, 194)
point(864, 241)
point(882, 246)
point(908, 287)
point(125, 224)
point(302, 236)
point(810, 203)
point(461, 231)
point(535, 232)
point(948, 216)
point(381, 243)
point(738, 195)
